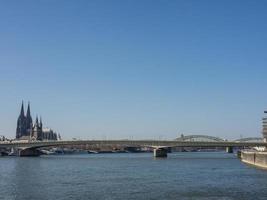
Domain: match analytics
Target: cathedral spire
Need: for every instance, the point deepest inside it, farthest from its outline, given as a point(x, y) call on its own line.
point(28, 111)
point(28, 120)
point(22, 110)
point(21, 123)
point(36, 120)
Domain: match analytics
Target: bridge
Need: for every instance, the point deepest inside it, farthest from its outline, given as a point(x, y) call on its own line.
point(160, 146)
point(199, 138)
point(250, 139)
point(215, 139)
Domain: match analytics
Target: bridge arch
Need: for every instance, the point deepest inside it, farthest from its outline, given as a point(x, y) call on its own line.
point(250, 139)
point(205, 138)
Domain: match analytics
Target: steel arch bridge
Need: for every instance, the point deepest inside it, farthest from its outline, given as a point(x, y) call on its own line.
point(250, 139)
point(207, 138)
point(199, 138)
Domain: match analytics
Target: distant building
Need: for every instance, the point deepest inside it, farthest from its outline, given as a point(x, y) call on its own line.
point(48, 134)
point(264, 127)
point(2, 138)
point(26, 130)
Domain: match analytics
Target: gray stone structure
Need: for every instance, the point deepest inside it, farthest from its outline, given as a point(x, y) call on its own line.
point(37, 132)
point(24, 123)
point(49, 134)
point(255, 158)
point(26, 130)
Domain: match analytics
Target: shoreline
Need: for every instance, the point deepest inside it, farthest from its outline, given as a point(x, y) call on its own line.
point(254, 158)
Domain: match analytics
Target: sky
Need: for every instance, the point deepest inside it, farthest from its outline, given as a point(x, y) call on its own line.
point(132, 69)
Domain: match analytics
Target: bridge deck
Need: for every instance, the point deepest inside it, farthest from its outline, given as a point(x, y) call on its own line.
point(145, 143)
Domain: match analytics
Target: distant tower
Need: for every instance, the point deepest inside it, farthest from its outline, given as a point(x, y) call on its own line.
point(41, 134)
point(41, 123)
point(264, 128)
point(37, 132)
point(28, 121)
point(21, 124)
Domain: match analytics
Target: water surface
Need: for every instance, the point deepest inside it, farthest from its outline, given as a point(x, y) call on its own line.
point(201, 176)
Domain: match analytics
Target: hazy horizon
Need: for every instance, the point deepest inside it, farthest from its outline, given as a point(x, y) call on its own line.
point(135, 69)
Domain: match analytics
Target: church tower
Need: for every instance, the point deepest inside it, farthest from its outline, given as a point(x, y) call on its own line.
point(37, 132)
point(28, 121)
point(29, 130)
point(21, 124)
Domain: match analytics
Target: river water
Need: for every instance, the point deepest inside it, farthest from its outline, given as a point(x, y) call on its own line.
point(201, 176)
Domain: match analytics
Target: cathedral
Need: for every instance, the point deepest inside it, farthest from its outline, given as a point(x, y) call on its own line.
point(27, 130)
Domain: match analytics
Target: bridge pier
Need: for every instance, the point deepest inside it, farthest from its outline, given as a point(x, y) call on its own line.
point(160, 153)
point(229, 149)
point(3, 152)
point(28, 152)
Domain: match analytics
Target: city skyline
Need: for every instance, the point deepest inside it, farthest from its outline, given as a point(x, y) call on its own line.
point(135, 70)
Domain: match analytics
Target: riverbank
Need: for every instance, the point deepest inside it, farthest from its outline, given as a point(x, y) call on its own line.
point(255, 158)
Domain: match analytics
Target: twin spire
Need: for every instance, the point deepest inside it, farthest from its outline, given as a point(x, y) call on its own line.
point(37, 120)
point(28, 114)
point(32, 130)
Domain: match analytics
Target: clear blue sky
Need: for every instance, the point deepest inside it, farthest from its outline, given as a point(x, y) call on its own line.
point(135, 69)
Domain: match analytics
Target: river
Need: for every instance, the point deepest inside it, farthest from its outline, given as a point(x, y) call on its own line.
point(201, 176)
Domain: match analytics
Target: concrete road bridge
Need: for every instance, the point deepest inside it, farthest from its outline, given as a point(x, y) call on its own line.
point(160, 146)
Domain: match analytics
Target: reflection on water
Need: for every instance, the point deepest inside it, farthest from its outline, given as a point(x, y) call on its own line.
point(131, 176)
